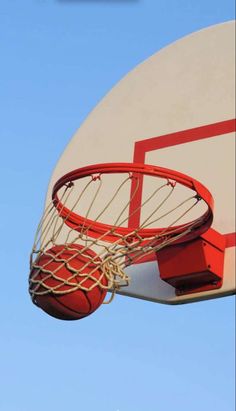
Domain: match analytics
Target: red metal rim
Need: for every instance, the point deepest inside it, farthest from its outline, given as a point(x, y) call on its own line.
point(96, 229)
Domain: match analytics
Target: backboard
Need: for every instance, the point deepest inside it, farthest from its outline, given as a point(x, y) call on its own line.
point(174, 110)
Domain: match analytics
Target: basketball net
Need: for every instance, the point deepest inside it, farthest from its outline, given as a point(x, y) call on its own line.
point(117, 245)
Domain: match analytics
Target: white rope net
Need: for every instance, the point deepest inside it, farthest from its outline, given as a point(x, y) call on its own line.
point(107, 199)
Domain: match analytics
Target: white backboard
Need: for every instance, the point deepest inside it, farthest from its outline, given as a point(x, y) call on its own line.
point(175, 110)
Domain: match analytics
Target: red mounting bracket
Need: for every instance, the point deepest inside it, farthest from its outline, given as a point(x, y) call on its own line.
point(194, 266)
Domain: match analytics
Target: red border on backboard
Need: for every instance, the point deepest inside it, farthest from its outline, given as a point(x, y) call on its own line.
point(180, 137)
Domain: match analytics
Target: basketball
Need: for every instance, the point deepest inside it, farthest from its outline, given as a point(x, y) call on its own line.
point(67, 283)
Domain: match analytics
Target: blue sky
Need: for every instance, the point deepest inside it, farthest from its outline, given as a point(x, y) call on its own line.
point(58, 58)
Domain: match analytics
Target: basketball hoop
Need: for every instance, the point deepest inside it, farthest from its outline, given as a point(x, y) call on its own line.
point(121, 244)
point(110, 233)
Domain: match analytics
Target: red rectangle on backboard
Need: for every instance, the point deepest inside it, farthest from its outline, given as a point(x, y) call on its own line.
point(142, 147)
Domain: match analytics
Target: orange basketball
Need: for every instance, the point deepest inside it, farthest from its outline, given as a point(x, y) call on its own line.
point(62, 269)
